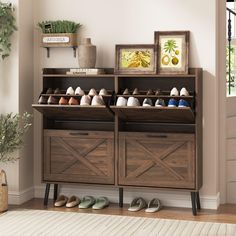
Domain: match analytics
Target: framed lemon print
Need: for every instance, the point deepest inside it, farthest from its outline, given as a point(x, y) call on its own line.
point(173, 51)
point(136, 59)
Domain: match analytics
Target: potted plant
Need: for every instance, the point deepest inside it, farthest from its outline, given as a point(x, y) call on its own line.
point(7, 28)
point(12, 130)
point(59, 33)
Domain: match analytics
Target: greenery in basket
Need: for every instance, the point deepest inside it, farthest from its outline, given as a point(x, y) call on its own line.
point(55, 27)
point(12, 130)
point(7, 28)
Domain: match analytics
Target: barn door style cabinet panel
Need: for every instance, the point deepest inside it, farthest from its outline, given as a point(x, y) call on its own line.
point(123, 146)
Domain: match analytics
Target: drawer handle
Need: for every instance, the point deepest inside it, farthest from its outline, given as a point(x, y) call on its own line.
point(75, 134)
point(157, 136)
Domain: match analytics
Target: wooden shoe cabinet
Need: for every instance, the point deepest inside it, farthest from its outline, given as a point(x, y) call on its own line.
point(124, 147)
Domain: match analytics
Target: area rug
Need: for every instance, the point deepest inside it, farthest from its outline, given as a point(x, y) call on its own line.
point(41, 222)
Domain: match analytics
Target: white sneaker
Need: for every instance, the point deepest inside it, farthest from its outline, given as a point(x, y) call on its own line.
point(79, 91)
point(121, 101)
point(70, 91)
point(85, 100)
point(97, 101)
point(184, 92)
point(103, 92)
point(92, 92)
point(133, 102)
point(174, 92)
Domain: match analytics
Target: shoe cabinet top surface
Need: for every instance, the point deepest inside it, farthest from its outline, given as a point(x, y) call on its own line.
point(115, 84)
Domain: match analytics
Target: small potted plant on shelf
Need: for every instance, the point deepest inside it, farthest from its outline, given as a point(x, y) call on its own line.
point(59, 33)
point(7, 28)
point(12, 130)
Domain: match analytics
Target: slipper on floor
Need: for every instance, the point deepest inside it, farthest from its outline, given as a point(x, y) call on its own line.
point(61, 201)
point(154, 205)
point(137, 204)
point(101, 203)
point(72, 202)
point(86, 202)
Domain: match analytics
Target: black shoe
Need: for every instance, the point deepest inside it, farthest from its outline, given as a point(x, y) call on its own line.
point(158, 92)
point(150, 92)
point(57, 91)
point(147, 102)
point(49, 91)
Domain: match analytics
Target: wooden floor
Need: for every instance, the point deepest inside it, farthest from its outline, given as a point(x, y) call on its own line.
point(225, 213)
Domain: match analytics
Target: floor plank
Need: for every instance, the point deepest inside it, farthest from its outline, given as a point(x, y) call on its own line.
point(225, 214)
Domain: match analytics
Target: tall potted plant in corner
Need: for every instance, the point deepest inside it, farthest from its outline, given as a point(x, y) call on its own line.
point(7, 28)
point(12, 130)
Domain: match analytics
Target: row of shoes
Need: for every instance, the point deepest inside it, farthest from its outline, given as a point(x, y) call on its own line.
point(139, 203)
point(174, 92)
point(84, 203)
point(147, 102)
point(86, 100)
point(78, 91)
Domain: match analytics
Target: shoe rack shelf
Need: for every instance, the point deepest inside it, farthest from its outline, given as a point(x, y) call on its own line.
point(123, 147)
point(155, 114)
point(75, 112)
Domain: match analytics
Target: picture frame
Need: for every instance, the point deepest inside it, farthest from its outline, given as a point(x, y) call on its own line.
point(135, 59)
point(173, 52)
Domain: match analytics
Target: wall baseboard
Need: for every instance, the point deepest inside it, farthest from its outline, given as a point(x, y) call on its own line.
point(17, 198)
point(168, 198)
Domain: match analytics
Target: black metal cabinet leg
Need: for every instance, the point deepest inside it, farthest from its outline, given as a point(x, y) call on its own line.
point(55, 192)
point(198, 201)
point(46, 194)
point(120, 197)
point(193, 199)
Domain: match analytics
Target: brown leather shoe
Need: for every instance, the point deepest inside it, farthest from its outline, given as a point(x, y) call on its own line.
point(150, 92)
point(136, 92)
point(63, 101)
point(73, 101)
point(61, 201)
point(126, 92)
point(52, 100)
point(42, 100)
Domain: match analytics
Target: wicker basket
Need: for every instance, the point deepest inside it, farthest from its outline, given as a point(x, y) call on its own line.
point(3, 192)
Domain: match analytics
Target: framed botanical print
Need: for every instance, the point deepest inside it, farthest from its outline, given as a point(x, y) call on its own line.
point(172, 51)
point(135, 59)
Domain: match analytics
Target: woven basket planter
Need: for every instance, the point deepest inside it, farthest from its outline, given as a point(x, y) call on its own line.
point(3, 192)
point(59, 40)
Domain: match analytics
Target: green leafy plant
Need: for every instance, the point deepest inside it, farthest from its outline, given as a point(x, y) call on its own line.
point(55, 27)
point(12, 130)
point(7, 28)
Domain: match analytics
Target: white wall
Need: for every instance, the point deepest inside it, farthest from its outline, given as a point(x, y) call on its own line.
point(9, 94)
point(26, 67)
point(110, 22)
point(16, 95)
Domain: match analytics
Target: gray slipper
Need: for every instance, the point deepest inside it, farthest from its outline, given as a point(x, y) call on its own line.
point(137, 204)
point(154, 205)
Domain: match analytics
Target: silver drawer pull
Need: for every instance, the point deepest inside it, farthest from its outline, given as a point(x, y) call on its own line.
point(157, 136)
point(78, 133)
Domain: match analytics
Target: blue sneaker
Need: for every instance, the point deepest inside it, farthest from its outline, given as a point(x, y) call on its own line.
point(183, 103)
point(172, 103)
